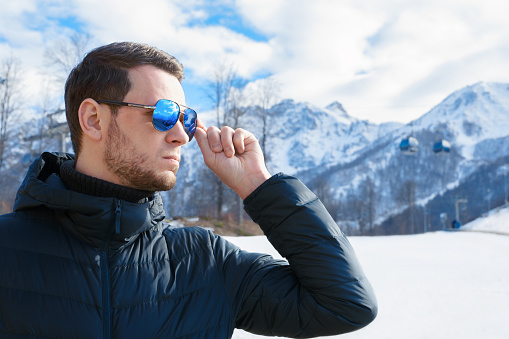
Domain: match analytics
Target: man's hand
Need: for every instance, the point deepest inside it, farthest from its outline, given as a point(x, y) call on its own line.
point(234, 156)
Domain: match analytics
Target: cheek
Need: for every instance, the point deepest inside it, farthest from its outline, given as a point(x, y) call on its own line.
point(148, 144)
point(138, 134)
point(135, 121)
point(141, 136)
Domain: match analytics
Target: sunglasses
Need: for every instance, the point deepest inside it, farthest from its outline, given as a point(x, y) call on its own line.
point(166, 114)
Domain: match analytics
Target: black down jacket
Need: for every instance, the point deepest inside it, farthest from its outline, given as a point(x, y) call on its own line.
point(77, 266)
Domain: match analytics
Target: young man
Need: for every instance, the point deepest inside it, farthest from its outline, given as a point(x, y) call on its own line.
point(86, 255)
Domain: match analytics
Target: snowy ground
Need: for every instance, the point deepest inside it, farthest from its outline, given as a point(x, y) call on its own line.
point(435, 285)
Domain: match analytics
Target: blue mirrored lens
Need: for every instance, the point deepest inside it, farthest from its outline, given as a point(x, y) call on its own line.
point(190, 122)
point(165, 115)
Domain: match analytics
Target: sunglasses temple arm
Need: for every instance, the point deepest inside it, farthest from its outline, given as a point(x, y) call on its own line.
point(139, 106)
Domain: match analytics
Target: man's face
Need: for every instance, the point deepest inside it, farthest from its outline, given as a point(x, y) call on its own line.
point(138, 155)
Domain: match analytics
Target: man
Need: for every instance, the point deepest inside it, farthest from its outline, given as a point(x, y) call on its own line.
point(86, 255)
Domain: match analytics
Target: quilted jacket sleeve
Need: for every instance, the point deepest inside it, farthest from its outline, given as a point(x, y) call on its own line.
point(321, 290)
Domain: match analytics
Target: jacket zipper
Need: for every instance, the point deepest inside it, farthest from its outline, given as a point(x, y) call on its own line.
point(118, 216)
point(105, 276)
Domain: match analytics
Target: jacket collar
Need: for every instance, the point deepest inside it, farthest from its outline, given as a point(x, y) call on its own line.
point(103, 222)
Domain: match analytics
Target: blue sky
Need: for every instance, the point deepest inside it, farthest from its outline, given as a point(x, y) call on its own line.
point(384, 61)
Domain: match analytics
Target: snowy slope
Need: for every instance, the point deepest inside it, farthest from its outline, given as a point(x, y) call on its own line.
point(474, 119)
point(439, 285)
point(497, 221)
point(474, 114)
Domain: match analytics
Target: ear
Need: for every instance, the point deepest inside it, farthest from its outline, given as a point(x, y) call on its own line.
point(91, 118)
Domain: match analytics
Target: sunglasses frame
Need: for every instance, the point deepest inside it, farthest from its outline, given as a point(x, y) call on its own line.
point(189, 133)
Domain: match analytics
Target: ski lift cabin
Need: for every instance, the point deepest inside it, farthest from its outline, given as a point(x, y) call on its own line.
point(441, 147)
point(409, 145)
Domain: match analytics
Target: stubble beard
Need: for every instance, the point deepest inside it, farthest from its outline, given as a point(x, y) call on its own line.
point(130, 166)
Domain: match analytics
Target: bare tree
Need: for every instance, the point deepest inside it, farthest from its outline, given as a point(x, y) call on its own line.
point(225, 90)
point(268, 96)
point(218, 90)
point(46, 109)
point(369, 194)
point(10, 165)
point(357, 212)
point(406, 195)
point(9, 104)
point(235, 103)
point(62, 55)
point(324, 192)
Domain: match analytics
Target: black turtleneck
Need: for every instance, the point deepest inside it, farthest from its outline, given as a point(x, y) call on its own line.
point(85, 184)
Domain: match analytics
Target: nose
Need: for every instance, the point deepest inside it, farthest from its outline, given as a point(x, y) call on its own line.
point(177, 134)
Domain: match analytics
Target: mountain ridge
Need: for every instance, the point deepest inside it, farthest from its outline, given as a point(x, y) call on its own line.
point(355, 166)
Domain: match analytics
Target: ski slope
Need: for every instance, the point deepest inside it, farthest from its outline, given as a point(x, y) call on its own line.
point(434, 285)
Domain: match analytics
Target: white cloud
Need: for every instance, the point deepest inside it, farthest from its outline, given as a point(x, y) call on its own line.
point(367, 53)
point(384, 60)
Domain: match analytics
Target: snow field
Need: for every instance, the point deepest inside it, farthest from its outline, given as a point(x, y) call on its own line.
point(435, 285)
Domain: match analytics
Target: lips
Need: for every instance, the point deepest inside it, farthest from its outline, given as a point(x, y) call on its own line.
point(172, 157)
point(173, 161)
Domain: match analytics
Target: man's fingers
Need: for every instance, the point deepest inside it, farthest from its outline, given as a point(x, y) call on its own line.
point(201, 138)
point(239, 140)
point(227, 141)
point(214, 137)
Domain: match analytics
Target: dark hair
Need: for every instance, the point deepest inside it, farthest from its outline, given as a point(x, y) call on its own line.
point(104, 75)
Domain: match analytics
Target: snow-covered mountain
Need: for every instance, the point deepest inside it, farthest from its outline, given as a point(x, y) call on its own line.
point(472, 115)
point(303, 136)
point(474, 119)
point(357, 169)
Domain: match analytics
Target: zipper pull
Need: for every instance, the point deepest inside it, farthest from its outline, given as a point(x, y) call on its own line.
point(118, 216)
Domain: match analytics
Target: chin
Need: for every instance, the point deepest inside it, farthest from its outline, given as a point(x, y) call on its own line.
point(152, 182)
point(167, 183)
